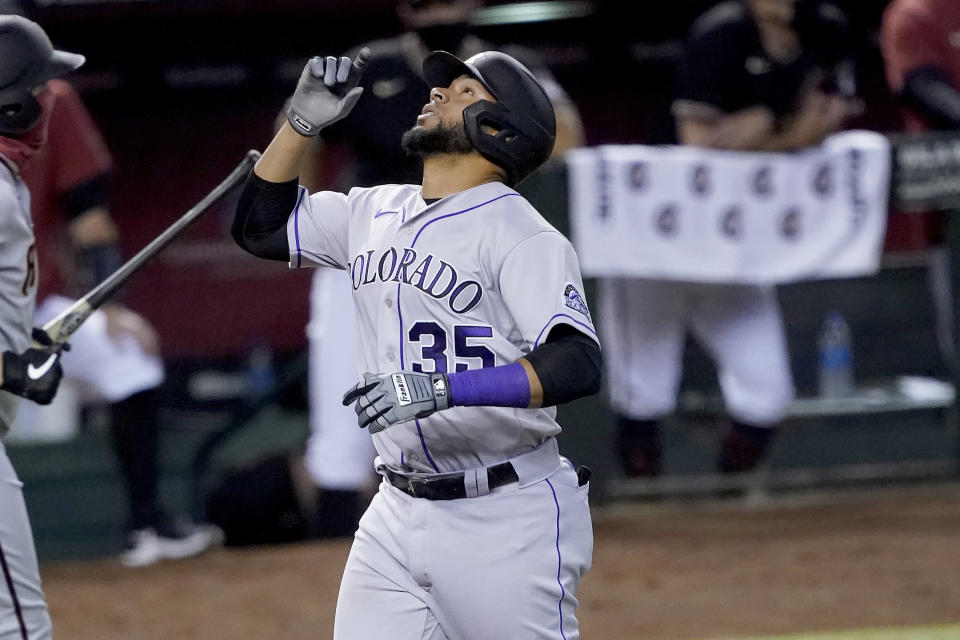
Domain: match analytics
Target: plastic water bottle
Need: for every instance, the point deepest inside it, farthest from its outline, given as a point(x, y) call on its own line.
point(835, 355)
point(260, 370)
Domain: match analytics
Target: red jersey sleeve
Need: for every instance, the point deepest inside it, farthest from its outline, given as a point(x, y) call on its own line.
point(911, 38)
point(81, 150)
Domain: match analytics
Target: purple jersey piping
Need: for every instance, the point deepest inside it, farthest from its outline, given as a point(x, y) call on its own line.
point(562, 315)
point(456, 213)
point(563, 592)
point(296, 223)
point(423, 442)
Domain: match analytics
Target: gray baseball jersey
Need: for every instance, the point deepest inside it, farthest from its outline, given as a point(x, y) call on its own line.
point(477, 279)
point(18, 277)
point(23, 610)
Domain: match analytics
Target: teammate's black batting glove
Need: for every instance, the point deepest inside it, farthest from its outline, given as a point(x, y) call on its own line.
point(327, 91)
point(34, 374)
point(41, 338)
point(387, 399)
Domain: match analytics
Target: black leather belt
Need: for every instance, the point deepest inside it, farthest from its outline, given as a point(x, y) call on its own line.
point(449, 487)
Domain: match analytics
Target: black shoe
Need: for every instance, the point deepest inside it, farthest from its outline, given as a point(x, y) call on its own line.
point(743, 447)
point(639, 448)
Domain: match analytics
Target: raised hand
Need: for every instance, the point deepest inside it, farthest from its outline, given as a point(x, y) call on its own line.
point(327, 92)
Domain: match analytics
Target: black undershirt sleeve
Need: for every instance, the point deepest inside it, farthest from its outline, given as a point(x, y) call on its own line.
point(568, 365)
point(260, 222)
point(929, 91)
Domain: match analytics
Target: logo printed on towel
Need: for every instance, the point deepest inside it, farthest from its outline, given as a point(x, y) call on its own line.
point(823, 180)
point(700, 180)
point(763, 181)
point(791, 223)
point(731, 224)
point(639, 176)
point(667, 221)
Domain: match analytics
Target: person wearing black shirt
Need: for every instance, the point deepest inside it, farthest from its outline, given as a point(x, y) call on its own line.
point(757, 75)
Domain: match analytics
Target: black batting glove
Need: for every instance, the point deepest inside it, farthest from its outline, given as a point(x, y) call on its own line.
point(386, 399)
point(34, 374)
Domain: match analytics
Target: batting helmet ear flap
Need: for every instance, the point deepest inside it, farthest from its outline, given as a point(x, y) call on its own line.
point(512, 141)
point(19, 115)
point(27, 61)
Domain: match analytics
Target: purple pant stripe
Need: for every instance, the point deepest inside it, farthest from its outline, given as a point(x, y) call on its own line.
point(563, 592)
point(8, 578)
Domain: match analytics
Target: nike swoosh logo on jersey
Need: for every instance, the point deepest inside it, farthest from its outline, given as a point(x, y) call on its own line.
point(35, 373)
point(381, 212)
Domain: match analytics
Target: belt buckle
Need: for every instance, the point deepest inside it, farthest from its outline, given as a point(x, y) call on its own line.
point(412, 485)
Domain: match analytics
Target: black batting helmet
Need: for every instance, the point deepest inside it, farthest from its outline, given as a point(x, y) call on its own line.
point(522, 125)
point(27, 60)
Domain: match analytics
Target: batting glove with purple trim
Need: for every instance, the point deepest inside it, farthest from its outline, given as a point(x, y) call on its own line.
point(327, 92)
point(386, 399)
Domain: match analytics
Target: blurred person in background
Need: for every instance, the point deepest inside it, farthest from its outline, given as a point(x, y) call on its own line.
point(27, 63)
point(114, 359)
point(756, 75)
point(339, 457)
point(921, 48)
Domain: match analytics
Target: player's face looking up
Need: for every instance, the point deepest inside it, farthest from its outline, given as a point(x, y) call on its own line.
point(440, 128)
point(447, 104)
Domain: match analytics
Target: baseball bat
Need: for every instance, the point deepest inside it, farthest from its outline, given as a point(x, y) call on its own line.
point(62, 327)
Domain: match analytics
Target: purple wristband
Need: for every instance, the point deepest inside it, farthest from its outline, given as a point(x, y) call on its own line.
point(503, 386)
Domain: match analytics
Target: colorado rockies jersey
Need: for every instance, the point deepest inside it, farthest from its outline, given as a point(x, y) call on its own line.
point(477, 279)
point(18, 277)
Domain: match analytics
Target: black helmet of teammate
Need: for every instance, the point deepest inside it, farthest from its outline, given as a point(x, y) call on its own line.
point(522, 125)
point(27, 61)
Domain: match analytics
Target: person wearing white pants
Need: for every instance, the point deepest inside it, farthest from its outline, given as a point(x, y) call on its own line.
point(757, 75)
point(339, 456)
point(644, 325)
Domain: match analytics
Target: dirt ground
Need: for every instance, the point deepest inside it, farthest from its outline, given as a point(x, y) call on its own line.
point(711, 570)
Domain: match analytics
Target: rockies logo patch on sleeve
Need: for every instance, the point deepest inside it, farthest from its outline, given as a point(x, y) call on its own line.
point(573, 299)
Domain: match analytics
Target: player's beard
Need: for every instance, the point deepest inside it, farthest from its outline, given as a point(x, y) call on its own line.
point(442, 139)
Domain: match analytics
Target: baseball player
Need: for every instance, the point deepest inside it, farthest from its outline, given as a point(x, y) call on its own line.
point(27, 62)
point(338, 458)
point(114, 360)
point(471, 326)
